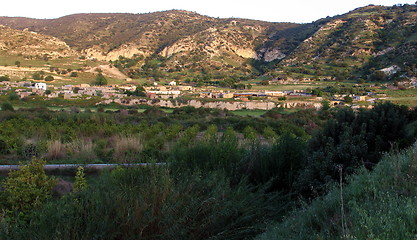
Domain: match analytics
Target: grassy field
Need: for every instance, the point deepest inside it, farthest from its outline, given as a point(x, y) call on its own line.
point(406, 97)
point(64, 63)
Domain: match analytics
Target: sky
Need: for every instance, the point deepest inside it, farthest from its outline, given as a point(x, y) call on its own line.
point(298, 11)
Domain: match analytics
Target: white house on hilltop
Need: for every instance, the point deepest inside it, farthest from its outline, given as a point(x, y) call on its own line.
point(40, 86)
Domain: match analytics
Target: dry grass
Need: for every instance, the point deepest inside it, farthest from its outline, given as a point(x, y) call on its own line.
point(82, 149)
point(127, 148)
point(56, 150)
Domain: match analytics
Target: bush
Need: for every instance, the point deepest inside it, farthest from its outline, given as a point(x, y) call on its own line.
point(49, 78)
point(100, 80)
point(13, 96)
point(353, 139)
point(277, 165)
point(6, 106)
point(4, 78)
point(207, 156)
point(4, 148)
point(28, 188)
point(37, 76)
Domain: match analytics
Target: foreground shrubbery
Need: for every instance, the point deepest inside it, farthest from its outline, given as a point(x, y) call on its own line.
point(151, 203)
point(116, 137)
point(378, 204)
point(223, 180)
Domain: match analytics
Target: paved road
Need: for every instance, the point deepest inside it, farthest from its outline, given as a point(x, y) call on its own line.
point(94, 167)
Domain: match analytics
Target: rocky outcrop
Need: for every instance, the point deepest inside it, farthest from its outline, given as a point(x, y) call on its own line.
point(213, 42)
point(182, 45)
point(245, 52)
point(127, 51)
point(270, 54)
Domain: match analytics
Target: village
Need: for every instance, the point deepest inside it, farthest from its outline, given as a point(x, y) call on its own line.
point(168, 91)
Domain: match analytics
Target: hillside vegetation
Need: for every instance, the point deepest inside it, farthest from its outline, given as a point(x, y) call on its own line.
point(373, 205)
point(370, 43)
point(359, 43)
point(31, 45)
point(225, 177)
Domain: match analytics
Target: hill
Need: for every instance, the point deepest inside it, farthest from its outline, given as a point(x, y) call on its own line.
point(155, 43)
point(357, 44)
point(111, 35)
point(31, 44)
point(369, 43)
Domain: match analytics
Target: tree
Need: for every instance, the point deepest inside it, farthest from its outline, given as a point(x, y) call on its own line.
point(4, 78)
point(101, 80)
point(317, 91)
point(74, 74)
point(13, 96)
point(37, 76)
point(17, 63)
point(325, 105)
point(348, 99)
point(353, 139)
point(140, 92)
point(45, 57)
point(49, 78)
point(378, 76)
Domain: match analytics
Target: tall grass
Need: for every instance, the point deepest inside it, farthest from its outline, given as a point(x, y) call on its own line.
point(55, 150)
point(212, 154)
point(127, 148)
point(151, 203)
point(377, 205)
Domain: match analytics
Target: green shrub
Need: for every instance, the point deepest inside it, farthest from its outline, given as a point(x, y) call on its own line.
point(38, 75)
point(278, 165)
point(207, 156)
point(149, 203)
point(28, 188)
point(49, 78)
point(6, 106)
point(13, 96)
point(4, 78)
point(377, 205)
point(80, 183)
point(4, 148)
point(100, 80)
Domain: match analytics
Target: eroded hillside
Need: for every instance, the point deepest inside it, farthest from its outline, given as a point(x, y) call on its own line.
point(32, 44)
point(185, 45)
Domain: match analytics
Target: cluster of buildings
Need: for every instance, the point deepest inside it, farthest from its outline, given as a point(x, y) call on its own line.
point(25, 89)
point(245, 96)
point(170, 91)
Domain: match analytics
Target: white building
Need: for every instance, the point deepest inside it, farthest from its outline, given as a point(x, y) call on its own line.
point(40, 86)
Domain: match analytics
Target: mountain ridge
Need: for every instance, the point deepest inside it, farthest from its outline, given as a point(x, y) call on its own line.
point(174, 43)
